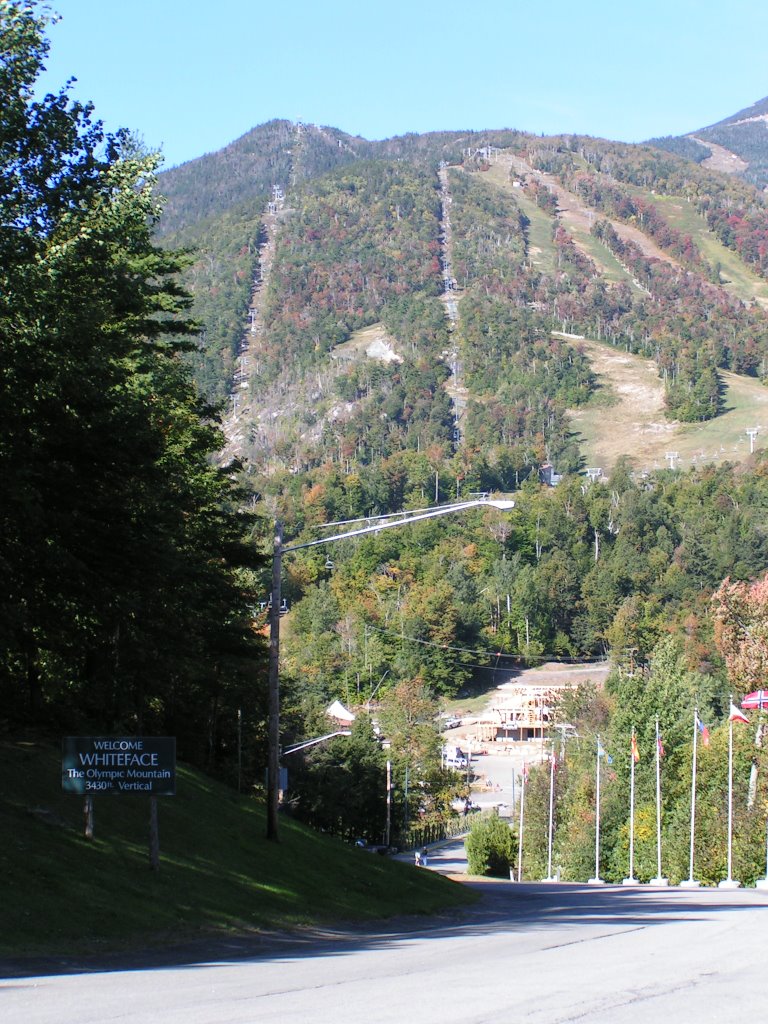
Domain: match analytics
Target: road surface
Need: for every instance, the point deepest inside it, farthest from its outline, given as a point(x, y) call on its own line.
point(541, 953)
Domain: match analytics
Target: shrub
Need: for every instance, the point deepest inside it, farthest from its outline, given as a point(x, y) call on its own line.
point(491, 847)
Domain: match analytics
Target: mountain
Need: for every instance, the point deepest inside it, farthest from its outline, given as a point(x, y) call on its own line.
point(736, 145)
point(306, 236)
point(215, 206)
point(244, 172)
point(395, 324)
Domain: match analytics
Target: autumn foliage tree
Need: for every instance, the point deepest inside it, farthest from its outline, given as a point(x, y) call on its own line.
point(741, 630)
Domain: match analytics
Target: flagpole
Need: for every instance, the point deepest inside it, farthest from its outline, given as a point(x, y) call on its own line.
point(762, 883)
point(522, 819)
point(659, 879)
point(690, 882)
point(631, 880)
point(549, 877)
point(730, 882)
point(597, 880)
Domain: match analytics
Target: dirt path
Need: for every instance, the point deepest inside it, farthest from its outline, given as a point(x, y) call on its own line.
point(555, 673)
point(239, 418)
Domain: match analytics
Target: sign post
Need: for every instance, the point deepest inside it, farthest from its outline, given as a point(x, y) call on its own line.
point(120, 764)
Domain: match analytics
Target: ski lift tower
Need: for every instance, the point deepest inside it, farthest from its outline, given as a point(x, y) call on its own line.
point(671, 458)
point(594, 474)
point(752, 433)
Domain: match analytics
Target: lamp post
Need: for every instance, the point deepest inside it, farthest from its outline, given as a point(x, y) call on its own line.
point(279, 549)
point(319, 739)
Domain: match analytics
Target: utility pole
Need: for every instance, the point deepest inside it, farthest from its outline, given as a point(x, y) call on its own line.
point(273, 720)
point(388, 829)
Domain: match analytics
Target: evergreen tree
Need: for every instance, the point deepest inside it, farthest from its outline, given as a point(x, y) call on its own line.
point(127, 582)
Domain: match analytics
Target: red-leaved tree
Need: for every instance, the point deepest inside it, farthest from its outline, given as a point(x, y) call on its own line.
point(741, 631)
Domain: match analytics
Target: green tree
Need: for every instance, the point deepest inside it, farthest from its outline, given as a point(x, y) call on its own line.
point(341, 786)
point(424, 790)
point(127, 579)
point(491, 847)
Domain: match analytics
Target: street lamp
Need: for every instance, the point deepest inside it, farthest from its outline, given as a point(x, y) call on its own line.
point(273, 725)
point(313, 743)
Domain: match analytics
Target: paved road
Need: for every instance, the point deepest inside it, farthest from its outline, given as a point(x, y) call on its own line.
point(547, 954)
point(447, 858)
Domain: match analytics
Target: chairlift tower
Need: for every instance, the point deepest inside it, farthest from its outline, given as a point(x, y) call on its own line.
point(671, 458)
point(752, 433)
point(594, 473)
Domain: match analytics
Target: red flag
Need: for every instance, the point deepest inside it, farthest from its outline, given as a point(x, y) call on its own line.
point(737, 716)
point(660, 746)
point(633, 749)
point(703, 730)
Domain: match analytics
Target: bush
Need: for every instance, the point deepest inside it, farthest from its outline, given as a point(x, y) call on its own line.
point(491, 847)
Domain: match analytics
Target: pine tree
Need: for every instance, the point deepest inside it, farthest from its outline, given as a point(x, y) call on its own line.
point(127, 582)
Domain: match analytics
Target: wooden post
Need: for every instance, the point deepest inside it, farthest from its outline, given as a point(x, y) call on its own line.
point(239, 749)
point(88, 815)
point(154, 836)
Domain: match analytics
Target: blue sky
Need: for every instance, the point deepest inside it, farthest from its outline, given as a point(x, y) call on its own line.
point(191, 76)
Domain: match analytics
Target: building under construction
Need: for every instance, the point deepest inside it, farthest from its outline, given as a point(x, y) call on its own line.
point(527, 713)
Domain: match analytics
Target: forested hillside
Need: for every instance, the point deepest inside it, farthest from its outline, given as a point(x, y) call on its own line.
point(378, 326)
point(738, 143)
point(480, 261)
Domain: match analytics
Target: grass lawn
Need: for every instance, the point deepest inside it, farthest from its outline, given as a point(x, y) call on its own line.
point(65, 894)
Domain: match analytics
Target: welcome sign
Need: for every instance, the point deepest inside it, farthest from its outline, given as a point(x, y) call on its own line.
point(119, 764)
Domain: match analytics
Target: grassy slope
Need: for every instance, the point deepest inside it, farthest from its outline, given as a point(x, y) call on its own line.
point(635, 424)
point(64, 894)
point(540, 231)
point(735, 275)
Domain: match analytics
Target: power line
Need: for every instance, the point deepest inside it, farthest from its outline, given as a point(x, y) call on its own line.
point(472, 651)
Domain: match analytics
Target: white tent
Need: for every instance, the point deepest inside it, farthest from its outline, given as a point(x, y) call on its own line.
point(338, 712)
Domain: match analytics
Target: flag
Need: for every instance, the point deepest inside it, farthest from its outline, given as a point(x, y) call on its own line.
point(525, 771)
point(633, 749)
point(737, 716)
point(660, 746)
point(602, 752)
point(704, 732)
